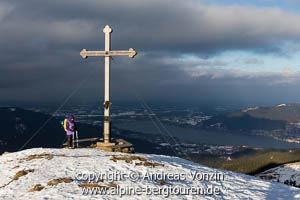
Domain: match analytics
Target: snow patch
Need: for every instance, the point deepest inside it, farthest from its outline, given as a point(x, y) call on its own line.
point(66, 163)
point(281, 105)
point(12, 109)
point(250, 109)
point(288, 174)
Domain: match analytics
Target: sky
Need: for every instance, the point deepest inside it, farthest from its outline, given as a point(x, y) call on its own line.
point(194, 52)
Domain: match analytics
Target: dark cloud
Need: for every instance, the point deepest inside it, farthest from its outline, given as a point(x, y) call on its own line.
point(41, 40)
point(191, 26)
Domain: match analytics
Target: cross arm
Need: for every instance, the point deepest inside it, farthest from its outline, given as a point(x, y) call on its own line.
point(130, 53)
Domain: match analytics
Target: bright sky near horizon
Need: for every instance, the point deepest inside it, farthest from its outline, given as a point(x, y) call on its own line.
point(287, 61)
point(291, 5)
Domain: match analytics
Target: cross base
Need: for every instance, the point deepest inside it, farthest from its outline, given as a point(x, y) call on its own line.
point(118, 145)
point(105, 144)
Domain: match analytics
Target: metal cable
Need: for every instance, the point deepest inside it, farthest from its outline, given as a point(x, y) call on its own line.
point(59, 108)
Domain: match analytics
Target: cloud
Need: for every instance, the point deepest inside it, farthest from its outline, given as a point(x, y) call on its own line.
point(5, 10)
point(253, 61)
point(234, 73)
point(191, 63)
point(41, 41)
point(187, 26)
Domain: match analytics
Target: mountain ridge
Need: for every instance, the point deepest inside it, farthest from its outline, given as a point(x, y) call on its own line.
point(281, 112)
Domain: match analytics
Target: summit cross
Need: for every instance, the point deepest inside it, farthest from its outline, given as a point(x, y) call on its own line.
point(107, 53)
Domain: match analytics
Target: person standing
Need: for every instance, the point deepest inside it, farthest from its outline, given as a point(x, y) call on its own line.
point(69, 127)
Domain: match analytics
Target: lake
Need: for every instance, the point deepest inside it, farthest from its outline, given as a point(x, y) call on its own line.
point(190, 135)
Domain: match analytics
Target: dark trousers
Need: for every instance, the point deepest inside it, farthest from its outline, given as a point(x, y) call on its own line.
point(70, 140)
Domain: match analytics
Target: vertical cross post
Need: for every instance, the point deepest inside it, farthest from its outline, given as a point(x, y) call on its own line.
point(107, 53)
point(106, 127)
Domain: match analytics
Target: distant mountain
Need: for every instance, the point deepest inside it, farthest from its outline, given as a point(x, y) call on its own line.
point(281, 112)
point(18, 125)
point(266, 118)
point(242, 122)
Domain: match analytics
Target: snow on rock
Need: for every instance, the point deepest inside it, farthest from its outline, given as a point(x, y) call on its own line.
point(250, 109)
point(288, 174)
point(63, 173)
point(281, 105)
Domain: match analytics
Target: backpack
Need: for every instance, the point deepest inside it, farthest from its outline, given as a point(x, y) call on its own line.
point(64, 124)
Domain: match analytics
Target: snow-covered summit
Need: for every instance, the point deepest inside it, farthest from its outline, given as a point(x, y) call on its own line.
point(67, 174)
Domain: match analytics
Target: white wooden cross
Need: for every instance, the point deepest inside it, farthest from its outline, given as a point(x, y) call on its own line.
point(107, 53)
